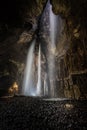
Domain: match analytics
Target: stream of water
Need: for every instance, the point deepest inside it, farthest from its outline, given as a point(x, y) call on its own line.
point(35, 89)
point(27, 87)
point(39, 73)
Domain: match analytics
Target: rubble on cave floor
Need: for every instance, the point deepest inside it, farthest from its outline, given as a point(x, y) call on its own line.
point(27, 113)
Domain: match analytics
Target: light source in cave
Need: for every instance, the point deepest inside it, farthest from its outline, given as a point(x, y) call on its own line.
point(13, 89)
point(68, 106)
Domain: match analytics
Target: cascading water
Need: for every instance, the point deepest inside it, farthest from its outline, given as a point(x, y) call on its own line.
point(53, 25)
point(53, 21)
point(28, 84)
point(39, 73)
point(28, 74)
point(45, 86)
point(49, 30)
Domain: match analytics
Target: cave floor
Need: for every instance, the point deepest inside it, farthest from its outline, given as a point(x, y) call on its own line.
point(27, 113)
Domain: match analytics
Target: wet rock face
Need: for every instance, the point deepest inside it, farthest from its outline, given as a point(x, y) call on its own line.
point(74, 63)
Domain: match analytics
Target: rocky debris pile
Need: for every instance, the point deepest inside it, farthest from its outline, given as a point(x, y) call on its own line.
point(24, 113)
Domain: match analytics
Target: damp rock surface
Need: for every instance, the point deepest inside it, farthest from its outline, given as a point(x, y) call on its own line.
point(27, 113)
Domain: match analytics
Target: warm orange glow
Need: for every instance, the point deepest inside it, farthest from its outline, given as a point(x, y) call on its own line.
point(15, 86)
point(13, 89)
point(69, 106)
point(10, 90)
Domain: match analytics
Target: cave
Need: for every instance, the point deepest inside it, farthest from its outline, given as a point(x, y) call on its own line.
point(43, 64)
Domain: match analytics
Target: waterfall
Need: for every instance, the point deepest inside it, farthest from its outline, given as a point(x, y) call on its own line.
point(45, 86)
point(28, 74)
point(53, 25)
point(39, 73)
point(49, 31)
point(53, 31)
point(28, 88)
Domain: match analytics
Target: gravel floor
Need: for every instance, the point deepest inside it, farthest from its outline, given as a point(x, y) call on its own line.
point(26, 113)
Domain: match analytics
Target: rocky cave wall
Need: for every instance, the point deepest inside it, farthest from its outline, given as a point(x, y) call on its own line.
point(18, 26)
point(74, 63)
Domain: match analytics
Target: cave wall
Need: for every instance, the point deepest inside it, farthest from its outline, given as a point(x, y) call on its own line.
point(74, 73)
point(18, 24)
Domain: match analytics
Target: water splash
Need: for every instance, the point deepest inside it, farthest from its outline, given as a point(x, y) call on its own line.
point(39, 72)
point(28, 74)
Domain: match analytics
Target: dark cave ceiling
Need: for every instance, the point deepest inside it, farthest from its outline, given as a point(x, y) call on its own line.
point(19, 11)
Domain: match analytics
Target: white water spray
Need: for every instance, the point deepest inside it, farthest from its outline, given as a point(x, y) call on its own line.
point(45, 86)
point(28, 74)
point(28, 86)
point(39, 73)
point(53, 27)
